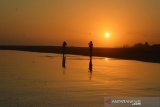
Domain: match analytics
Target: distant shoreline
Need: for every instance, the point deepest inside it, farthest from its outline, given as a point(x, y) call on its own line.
point(146, 54)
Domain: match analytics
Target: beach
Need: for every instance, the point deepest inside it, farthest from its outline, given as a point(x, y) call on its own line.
point(30, 79)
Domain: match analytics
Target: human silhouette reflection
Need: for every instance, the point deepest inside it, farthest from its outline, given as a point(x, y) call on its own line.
point(64, 64)
point(64, 61)
point(90, 64)
point(90, 68)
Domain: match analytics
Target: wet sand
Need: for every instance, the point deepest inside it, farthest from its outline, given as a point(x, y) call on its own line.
point(31, 79)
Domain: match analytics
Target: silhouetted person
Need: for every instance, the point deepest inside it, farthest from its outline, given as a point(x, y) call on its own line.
point(64, 47)
point(90, 62)
point(90, 47)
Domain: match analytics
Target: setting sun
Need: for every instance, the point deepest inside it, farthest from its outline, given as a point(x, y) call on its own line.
point(107, 35)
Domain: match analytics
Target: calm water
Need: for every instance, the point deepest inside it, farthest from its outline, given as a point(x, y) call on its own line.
point(38, 80)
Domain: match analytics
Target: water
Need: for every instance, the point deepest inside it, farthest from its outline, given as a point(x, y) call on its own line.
point(38, 80)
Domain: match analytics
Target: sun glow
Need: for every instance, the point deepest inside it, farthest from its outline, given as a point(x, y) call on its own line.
point(107, 35)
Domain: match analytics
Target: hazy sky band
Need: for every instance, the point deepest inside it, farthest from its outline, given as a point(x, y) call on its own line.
point(49, 22)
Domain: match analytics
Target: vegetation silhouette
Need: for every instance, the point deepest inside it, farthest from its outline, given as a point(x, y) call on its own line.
point(149, 53)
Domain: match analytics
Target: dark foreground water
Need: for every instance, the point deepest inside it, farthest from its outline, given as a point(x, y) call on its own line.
point(39, 80)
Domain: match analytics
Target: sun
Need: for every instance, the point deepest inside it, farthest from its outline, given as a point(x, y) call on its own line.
point(107, 35)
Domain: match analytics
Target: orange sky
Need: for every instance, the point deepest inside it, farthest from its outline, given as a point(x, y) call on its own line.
point(49, 22)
